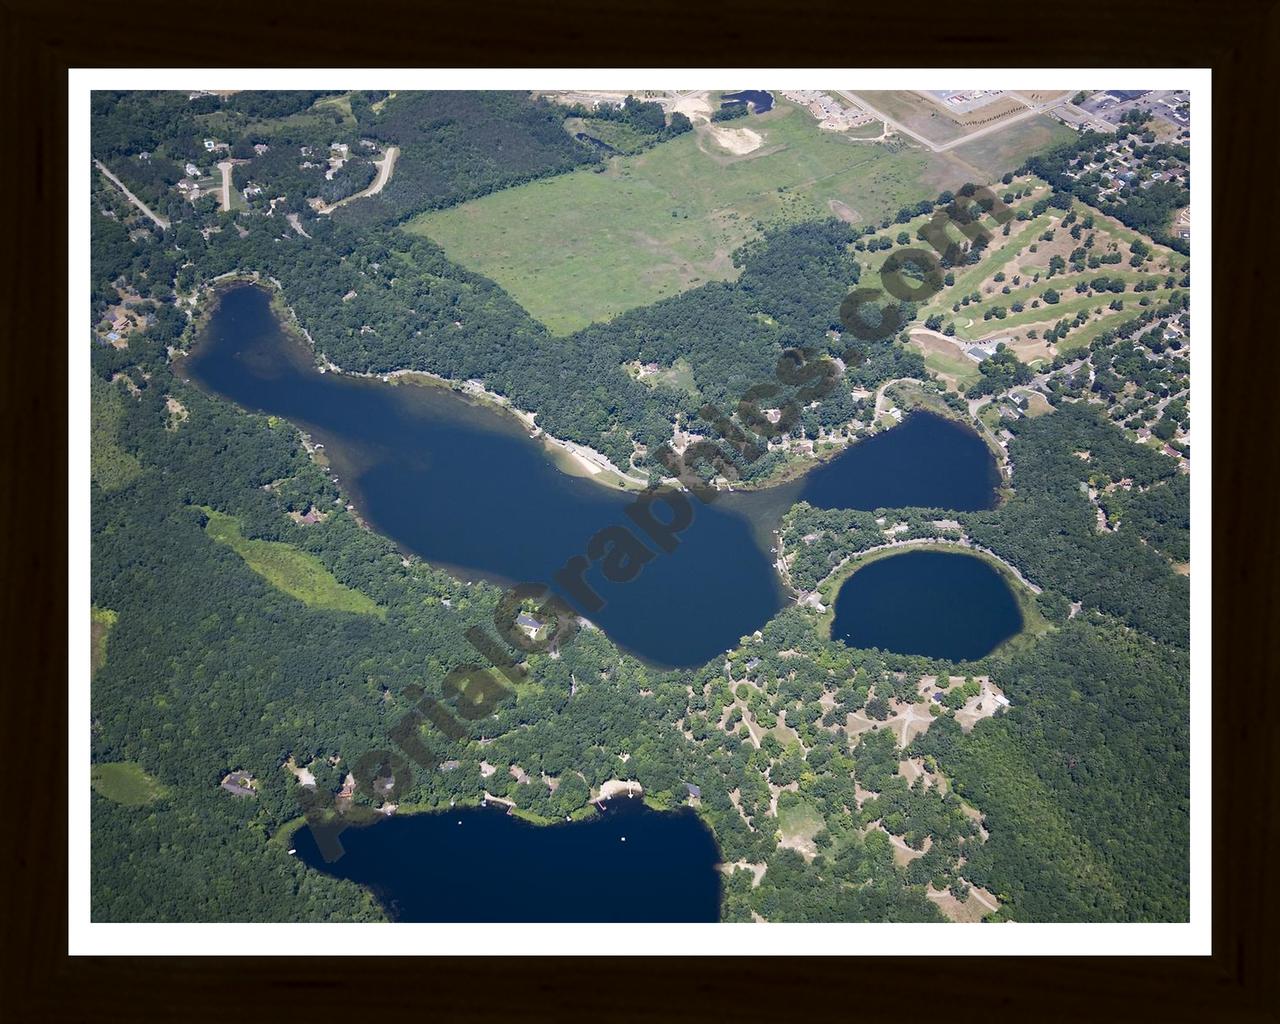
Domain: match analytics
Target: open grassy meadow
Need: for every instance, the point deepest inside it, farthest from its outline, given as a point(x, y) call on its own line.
point(112, 467)
point(798, 820)
point(124, 782)
point(1006, 149)
point(589, 245)
point(101, 622)
point(298, 573)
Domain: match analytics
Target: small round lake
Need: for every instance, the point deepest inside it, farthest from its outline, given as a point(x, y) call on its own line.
point(936, 603)
point(626, 864)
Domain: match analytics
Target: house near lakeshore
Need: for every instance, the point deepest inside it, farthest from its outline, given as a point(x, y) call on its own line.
point(528, 623)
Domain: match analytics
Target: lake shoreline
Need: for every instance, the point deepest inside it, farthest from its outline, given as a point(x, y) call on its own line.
point(1023, 590)
point(283, 837)
point(570, 457)
point(390, 858)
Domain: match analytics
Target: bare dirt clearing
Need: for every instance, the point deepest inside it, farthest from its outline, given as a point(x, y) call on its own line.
point(694, 105)
point(977, 905)
point(909, 721)
point(984, 705)
point(844, 211)
point(902, 853)
point(739, 141)
point(757, 870)
point(303, 775)
point(177, 413)
point(858, 723)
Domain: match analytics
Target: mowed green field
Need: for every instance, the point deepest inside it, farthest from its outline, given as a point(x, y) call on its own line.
point(797, 818)
point(125, 783)
point(101, 622)
point(298, 573)
point(587, 246)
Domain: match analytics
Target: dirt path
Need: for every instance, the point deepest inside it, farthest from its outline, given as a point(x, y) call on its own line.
point(386, 167)
point(909, 721)
point(969, 911)
point(951, 339)
point(978, 893)
point(160, 221)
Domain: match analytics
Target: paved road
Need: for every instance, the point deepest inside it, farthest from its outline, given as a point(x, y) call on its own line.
point(385, 168)
point(160, 221)
point(225, 168)
point(1031, 111)
point(885, 387)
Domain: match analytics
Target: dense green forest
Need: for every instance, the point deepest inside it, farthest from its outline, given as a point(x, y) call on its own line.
point(1070, 805)
point(1084, 787)
point(1048, 529)
point(460, 145)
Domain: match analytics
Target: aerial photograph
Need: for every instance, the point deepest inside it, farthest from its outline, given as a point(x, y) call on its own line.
point(635, 505)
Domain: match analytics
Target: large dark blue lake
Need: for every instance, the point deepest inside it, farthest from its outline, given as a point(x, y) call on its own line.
point(463, 486)
point(626, 864)
point(937, 603)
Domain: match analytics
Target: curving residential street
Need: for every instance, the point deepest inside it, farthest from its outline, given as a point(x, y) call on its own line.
point(385, 168)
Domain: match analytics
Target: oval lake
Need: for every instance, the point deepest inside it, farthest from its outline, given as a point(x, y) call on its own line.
point(938, 603)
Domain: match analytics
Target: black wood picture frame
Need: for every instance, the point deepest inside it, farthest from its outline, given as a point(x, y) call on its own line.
point(41, 39)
